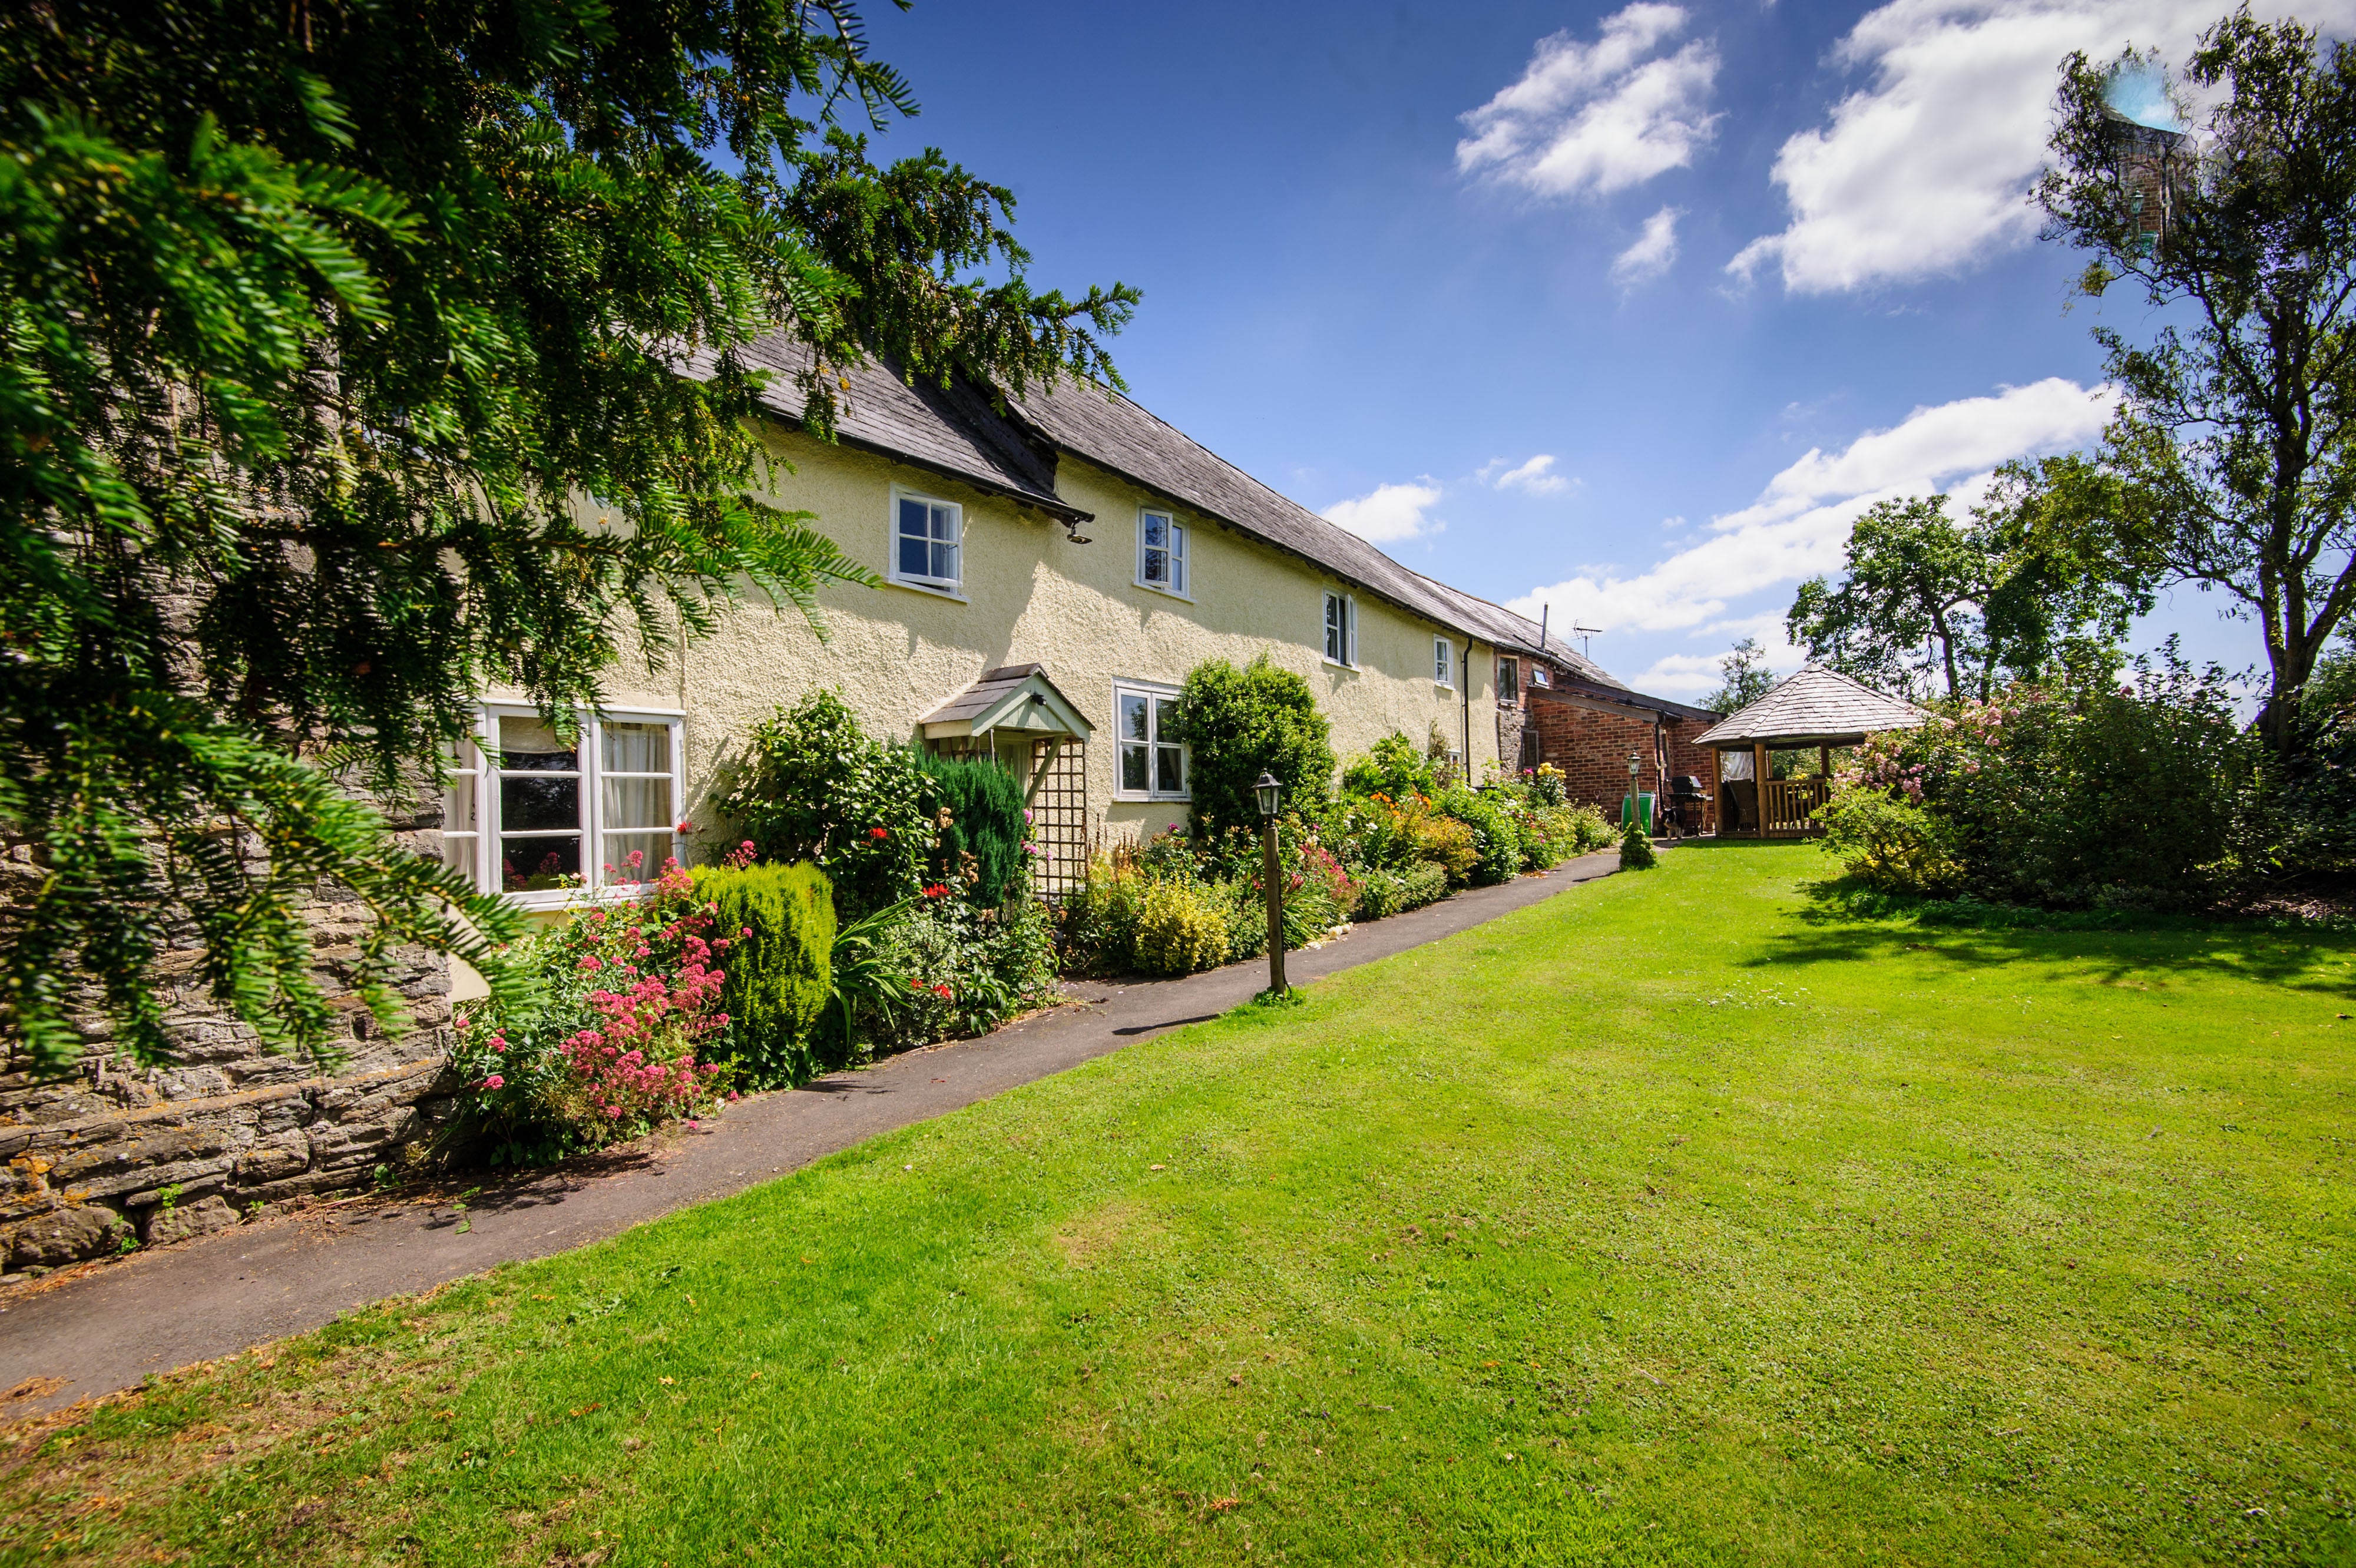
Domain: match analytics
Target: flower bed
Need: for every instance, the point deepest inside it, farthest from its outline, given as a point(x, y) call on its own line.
point(622, 1038)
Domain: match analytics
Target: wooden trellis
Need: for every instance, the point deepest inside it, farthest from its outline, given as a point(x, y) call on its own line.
point(1059, 815)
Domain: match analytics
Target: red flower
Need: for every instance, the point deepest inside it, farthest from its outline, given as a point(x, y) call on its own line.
point(937, 891)
point(877, 833)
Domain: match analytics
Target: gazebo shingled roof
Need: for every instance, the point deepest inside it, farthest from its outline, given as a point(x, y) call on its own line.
point(1815, 707)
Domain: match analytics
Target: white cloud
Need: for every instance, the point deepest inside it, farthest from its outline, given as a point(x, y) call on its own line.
point(1798, 524)
point(1388, 512)
point(1533, 477)
point(1926, 169)
point(1655, 252)
point(1590, 119)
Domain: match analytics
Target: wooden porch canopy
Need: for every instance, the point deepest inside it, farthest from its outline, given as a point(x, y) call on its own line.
point(1817, 707)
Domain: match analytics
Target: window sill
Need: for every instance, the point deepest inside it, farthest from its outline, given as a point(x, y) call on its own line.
point(1337, 664)
point(1124, 798)
point(1165, 593)
point(954, 591)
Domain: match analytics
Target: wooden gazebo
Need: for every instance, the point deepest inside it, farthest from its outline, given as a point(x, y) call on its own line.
point(1818, 707)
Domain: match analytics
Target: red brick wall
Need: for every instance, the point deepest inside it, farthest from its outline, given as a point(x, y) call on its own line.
point(1591, 748)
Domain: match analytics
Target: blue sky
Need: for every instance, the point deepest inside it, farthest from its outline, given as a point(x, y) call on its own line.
point(1625, 310)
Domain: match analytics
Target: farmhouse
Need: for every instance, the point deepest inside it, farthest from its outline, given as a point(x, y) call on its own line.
point(1052, 571)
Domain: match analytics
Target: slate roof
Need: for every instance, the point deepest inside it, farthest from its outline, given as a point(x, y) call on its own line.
point(993, 689)
point(953, 430)
point(1816, 704)
point(958, 432)
point(1115, 435)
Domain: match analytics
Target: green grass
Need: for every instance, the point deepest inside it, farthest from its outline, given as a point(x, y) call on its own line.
point(1676, 1220)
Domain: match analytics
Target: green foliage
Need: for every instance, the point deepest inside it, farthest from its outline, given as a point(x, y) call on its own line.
point(2069, 794)
point(967, 969)
point(1746, 679)
point(812, 785)
point(1182, 927)
point(1926, 605)
point(1496, 843)
point(1383, 893)
point(2232, 460)
point(870, 989)
point(778, 922)
point(1393, 767)
point(340, 380)
point(1890, 843)
point(1636, 850)
point(1590, 830)
point(1238, 722)
point(976, 809)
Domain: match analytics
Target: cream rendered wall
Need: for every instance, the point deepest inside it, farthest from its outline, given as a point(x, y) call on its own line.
point(898, 652)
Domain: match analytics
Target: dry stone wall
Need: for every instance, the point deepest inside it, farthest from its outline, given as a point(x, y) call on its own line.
point(118, 1156)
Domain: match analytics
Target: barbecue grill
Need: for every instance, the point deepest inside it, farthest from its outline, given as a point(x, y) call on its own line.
point(1685, 798)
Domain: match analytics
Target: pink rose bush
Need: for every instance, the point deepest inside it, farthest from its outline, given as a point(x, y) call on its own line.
point(623, 1042)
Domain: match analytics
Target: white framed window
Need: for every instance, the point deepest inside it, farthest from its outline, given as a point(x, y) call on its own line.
point(1444, 662)
point(927, 543)
point(1161, 563)
point(1341, 629)
point(1540, 675)
point(539, 816)
point(1151, 761)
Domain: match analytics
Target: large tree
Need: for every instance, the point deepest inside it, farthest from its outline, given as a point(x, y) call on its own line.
point(1930, 605)
point(2229, 465)
point(1746, 678)
point(341, 353)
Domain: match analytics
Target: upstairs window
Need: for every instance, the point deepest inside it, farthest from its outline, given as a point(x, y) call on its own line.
point(1444, 662)
point(1341, 629)
point(1152, 759)
point(1540, 676)
point(928, 543)
point(1509, 680)
point(533, 813)
point(1161, 554)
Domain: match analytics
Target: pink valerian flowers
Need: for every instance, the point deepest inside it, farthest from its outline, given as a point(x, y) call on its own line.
point(648, 978)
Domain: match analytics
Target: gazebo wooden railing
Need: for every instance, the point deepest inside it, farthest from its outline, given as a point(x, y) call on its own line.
point(1790, 805)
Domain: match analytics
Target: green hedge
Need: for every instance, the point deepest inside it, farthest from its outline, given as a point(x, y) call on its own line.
point(779, 923)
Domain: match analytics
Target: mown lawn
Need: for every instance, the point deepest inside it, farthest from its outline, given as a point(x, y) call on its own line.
point(1667, 1221)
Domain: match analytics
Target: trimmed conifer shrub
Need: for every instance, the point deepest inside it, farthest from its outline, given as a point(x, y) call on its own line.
point(779, 923)
point(980, 839)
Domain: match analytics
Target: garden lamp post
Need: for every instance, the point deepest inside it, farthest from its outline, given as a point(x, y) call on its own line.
point(1636, 772)
point(1272, 875)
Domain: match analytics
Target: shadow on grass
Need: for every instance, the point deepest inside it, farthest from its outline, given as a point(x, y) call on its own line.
point(1842, 925)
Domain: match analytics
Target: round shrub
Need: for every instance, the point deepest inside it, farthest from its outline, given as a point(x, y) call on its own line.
point(1181, 927)
point(1890, 843)
point(813, 786)
point(1239, 721)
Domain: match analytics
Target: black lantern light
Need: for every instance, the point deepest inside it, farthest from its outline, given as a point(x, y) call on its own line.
point(1272, 877)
